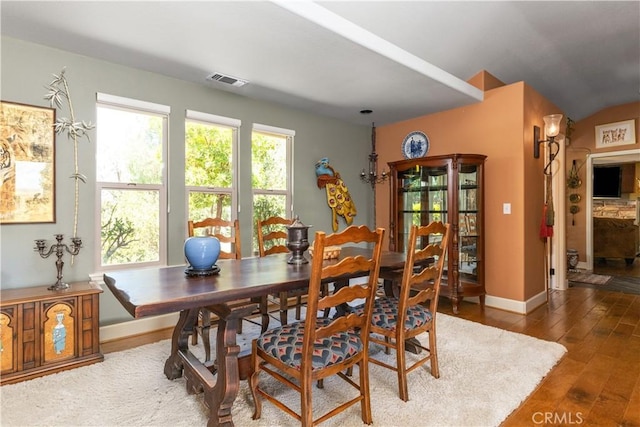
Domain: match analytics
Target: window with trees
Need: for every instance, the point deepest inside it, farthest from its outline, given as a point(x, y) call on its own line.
point(210, 166)
point(131, 184)
point(271, 171)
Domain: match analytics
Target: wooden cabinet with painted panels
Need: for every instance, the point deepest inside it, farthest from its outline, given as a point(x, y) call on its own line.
point(43, 331)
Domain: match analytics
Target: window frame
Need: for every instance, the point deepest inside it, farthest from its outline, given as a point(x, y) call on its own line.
point(289, 135)
point(137, 107)
point(223, 122)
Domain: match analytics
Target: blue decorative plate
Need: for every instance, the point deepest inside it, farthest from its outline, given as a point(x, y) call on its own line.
point(416, 144)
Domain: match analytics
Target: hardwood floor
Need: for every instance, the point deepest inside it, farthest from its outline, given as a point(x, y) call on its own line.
point(617, 267)
point(598, 380)
point(625, 277)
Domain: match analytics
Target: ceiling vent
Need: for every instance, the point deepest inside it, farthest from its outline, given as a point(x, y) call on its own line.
point(224, 78)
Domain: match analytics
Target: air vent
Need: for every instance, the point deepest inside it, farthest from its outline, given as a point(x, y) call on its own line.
point(224, 78)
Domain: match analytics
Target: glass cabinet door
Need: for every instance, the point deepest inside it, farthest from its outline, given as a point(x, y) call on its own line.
point(422, 199)
point(468, 224)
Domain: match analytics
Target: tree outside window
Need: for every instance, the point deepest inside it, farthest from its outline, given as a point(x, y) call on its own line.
point(270, 176)
point(130, 149)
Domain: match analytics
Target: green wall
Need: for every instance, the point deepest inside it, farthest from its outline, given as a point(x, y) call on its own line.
point(27, 68)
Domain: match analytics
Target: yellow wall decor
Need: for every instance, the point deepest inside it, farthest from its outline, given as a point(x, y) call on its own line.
point(338, 197)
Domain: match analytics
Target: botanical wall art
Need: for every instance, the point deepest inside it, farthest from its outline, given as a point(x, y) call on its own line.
point(619, 133)
point(58, 95)
point(27, 163)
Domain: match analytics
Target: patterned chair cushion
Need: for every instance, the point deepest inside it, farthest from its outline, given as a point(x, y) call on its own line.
point(385, 314)
point(285, 343)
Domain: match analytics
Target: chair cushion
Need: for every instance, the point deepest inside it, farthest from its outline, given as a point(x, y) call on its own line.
point(285, 344)
point(385, 314)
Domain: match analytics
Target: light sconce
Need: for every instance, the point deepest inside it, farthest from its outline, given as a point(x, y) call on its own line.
point(552, 130)
point(372, 176)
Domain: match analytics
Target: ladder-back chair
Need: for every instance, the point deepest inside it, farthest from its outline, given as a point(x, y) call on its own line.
point(228, 232)
point(272, 239)
point(415, 305)
point(301, 353)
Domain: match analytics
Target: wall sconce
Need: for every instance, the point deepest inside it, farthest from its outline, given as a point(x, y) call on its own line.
point(551, 130)
point(372, 176)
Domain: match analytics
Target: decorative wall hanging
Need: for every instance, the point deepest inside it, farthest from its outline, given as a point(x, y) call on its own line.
point(414, 145)
point(27, 164)
point(58, 95)
point(613, 134)
point(574, 180)
point(338, 196)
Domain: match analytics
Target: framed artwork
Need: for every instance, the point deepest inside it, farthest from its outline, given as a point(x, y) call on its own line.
point(27, 164)
point(613, 134)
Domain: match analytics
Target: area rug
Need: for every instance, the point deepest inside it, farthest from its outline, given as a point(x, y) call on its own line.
point(485, 373)
point(590, 278)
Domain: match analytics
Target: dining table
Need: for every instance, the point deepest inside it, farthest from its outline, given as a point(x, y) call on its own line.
point(155, 291)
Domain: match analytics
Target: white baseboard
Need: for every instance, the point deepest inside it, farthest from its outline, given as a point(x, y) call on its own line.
point(137, 327)
point(520, 307)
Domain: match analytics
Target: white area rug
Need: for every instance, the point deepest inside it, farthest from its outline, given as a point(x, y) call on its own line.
point(485, 373)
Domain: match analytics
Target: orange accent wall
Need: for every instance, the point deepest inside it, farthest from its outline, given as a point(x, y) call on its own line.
point(500, 127)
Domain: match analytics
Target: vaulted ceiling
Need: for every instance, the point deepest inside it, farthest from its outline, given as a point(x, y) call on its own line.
point(399, 59)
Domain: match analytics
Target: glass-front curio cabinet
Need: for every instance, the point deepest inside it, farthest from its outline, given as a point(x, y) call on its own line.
point(446, 188)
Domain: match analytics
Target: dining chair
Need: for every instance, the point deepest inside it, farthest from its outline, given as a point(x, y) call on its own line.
point(228, 232)
point(301, 353)
point(415, 305)
point(272, 239)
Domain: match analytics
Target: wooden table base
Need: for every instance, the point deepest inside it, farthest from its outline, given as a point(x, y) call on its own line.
point(220, 384)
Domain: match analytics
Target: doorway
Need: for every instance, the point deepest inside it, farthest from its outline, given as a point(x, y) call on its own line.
point(625, 271)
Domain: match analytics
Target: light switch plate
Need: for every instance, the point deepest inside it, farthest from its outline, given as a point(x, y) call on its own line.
point(506, 208)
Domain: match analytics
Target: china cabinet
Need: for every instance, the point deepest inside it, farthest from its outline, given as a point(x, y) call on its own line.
point(446, 188)
point(43, 331)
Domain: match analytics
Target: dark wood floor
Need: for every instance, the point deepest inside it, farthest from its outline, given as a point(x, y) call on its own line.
point(597, 383)
point(625, 277)
point(617, 267)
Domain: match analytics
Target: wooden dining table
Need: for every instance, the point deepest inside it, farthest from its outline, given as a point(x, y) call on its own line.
point(155, 291)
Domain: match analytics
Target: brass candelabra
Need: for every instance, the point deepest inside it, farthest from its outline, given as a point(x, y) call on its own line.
point(59, 248)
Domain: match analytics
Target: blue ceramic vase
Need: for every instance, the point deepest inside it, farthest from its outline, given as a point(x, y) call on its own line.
point(202, 252)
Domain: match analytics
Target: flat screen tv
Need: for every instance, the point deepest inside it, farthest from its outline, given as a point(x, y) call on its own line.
point(606, 181)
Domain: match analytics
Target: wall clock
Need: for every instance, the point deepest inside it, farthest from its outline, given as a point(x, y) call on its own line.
point(416, 144)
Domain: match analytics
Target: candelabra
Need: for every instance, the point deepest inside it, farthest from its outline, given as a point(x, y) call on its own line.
point(59, 248)
point(372, 177)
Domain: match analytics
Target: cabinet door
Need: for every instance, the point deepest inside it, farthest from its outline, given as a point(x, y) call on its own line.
point(59, 330)
point(468, 222)
point(422, 198)
point(8, 339)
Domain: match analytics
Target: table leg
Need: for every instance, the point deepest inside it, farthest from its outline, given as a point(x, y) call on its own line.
point(180, 341)
point(221, 398)
point(221, 386)
point(342, 309)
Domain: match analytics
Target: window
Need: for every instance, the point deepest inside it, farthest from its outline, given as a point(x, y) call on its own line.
point(271, 171)
point(130, 179)
point(210, 166)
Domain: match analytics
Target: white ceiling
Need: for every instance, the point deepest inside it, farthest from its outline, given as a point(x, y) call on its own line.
point(583, 56)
